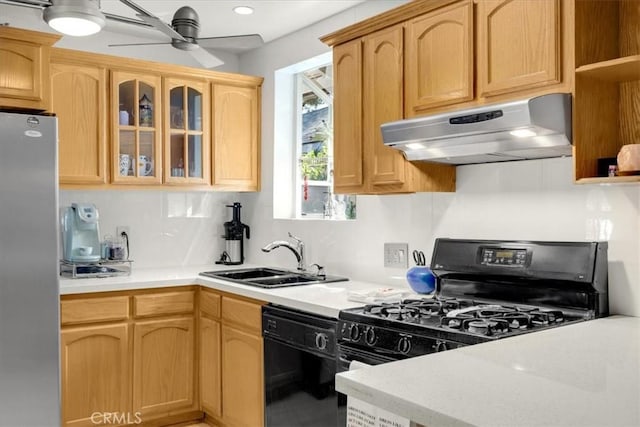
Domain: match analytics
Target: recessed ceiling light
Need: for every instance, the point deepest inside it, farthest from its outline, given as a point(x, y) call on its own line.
point(243, 10)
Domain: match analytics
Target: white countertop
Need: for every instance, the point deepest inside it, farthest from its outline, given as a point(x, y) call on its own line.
point(323, 299)
point(585, 374)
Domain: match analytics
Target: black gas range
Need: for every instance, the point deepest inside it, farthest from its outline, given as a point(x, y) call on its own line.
point(485, 290)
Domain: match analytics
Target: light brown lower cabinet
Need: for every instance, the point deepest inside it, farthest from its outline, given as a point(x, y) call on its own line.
point(129, 358)
point(148, 356)
point(210, 381)
point(94, 372)
point(242, 378)
point(231, 360)
point(163, 366)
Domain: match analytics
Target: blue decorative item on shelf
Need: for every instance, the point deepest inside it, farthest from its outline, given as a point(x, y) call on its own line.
point(421, 279)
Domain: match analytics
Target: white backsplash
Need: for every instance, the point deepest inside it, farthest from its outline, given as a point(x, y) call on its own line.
point(529, 200)
point(167, 228)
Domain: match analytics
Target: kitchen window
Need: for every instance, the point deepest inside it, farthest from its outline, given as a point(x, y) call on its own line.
point(314, 148)
point(304, 144)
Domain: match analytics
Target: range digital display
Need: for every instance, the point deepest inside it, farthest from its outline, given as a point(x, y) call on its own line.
point(502, 256)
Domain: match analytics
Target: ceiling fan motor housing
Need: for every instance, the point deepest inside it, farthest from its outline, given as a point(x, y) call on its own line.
point(186, 22)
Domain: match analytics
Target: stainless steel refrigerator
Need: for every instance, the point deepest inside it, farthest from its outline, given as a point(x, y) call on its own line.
point(29, 271)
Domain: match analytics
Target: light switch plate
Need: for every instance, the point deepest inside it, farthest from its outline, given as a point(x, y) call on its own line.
point(396, 255)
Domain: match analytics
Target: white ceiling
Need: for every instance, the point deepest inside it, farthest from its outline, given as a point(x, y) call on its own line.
point(271, 18)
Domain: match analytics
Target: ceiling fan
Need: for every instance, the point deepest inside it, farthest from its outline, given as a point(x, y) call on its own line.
point(183, 30)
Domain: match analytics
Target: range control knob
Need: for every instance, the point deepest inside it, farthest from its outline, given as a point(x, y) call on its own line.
point(354, 332)
point(404, 345)
point(321, 341)
point(370, 336)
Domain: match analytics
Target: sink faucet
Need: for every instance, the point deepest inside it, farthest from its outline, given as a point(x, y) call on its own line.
point(297, 248)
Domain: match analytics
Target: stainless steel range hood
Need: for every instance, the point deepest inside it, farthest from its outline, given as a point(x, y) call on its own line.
point(531, 128)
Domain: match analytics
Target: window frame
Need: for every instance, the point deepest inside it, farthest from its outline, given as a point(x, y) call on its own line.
point(303, 85)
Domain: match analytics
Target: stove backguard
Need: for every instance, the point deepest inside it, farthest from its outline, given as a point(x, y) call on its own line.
point(564, 275)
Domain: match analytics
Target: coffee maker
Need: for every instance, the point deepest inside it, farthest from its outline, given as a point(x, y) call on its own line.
point(80, 234)
point(234, 231)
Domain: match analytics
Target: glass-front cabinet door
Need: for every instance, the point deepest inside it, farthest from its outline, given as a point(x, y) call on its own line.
point(136, 117)
point(187, 139)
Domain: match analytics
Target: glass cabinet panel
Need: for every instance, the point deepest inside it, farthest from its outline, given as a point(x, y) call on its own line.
point(146, 154)
point(185, 150)
point(146, 105)
point(127, 153)
point(194, 101)
point(136, 116)
point(127, 105)
point(176, 108)
point(195, 156)
point(177, 155)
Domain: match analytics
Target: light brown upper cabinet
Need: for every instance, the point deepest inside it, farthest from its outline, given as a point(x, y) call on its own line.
point(519, 45)
point(79, 98)
point(186, 132)
point(347, 106)
point(236, 137)
point(369, 91)
point(439, 58)
point(24, 73)
point(136, 130)
point(383, 102)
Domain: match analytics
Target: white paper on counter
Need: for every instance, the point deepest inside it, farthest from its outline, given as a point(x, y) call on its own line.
point(363, 414)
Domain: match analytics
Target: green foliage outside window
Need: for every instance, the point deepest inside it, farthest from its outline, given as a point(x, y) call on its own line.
point(313, 164)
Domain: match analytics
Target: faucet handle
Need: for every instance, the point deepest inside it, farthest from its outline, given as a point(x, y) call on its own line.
point(297, 239)
point(320, 272)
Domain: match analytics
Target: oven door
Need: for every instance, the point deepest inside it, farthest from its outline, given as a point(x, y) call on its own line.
point(299, 386)
point(346, 355)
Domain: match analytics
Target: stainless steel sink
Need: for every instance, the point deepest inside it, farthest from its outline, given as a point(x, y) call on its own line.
point(265, 277)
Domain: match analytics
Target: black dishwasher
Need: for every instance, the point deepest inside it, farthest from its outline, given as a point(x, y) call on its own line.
point(299, 368)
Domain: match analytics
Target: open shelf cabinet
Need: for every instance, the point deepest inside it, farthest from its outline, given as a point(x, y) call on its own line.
point(607, 85)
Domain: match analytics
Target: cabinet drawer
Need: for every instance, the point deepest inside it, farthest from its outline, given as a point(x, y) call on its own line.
point(94, 310)
point(210, 303)
point(163, 303)
point(243, 313)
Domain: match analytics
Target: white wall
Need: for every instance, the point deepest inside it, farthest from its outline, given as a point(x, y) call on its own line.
point(167, 228)
point(520, 200)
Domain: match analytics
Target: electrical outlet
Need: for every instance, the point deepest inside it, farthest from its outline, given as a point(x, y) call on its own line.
point(123, 228)
point(396, 255)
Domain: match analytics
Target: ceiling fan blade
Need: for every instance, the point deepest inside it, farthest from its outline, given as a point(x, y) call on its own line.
point(161, 26)
point(153, 20)
point(207, 59)
point(138, 44)
point(232, 43)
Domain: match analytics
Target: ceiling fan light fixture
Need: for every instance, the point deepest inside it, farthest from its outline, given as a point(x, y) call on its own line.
point(74, 17)
point(243, 10)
